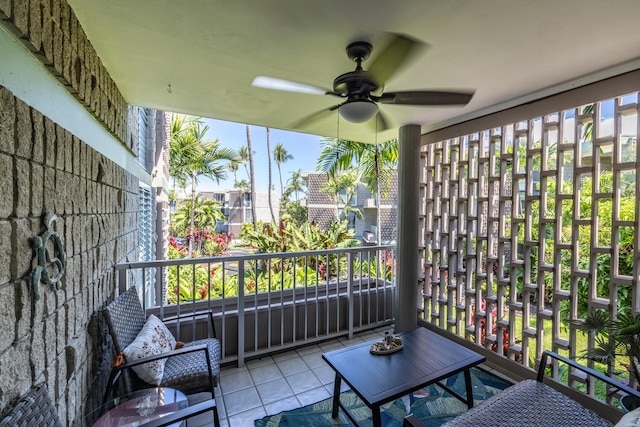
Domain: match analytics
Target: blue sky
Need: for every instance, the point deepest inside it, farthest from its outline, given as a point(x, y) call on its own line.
point(304, 148)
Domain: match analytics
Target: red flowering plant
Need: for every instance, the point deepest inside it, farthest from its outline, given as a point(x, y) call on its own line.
point(176, 249)
point(390, 265)
point(494, 328)
point(210, 244)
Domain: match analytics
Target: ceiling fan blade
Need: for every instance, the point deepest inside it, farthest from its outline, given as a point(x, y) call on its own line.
point(425, 97)
point(287, 85)
point(380, 122)
point(317, 116)
point(394, 56)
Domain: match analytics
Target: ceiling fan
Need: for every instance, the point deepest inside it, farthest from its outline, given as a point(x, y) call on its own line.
point(364, 89)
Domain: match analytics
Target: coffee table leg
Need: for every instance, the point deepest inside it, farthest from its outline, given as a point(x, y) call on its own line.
point(467, 381)
point(376, 418)
point(336, 396)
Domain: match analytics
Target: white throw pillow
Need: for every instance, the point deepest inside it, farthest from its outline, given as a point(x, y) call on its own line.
point(630, 419)
point(154, 338)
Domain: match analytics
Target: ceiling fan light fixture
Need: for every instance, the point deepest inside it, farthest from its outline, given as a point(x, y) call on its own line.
point(358, 111)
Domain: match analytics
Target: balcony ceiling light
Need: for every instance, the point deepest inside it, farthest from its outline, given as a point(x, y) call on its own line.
point(358, 111)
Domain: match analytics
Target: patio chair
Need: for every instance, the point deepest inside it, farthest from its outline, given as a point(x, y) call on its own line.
point(193, 368)
point(34, 409)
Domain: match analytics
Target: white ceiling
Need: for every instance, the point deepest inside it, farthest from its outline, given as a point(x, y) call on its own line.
point(209, 51)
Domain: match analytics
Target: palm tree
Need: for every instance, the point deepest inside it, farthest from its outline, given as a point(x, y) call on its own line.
point(206, 214)
point(273, 217)
point(374, 163)
point(180, 147)
point(295, 184)
point(252, 179)
point(233, 168)
point(243, 186)
point(280, 155)
point(244, 159)
point(346, 182)
point(193, 156)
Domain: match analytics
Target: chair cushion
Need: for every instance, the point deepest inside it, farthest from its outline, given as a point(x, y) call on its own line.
point(189, 373)
point(154, 338)
point(630, 419)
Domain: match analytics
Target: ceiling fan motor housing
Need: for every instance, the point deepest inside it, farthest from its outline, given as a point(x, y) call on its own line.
point(357, 84)
point(354, 84)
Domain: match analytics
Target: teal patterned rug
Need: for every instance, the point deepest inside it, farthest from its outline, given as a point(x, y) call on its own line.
point(433, 406)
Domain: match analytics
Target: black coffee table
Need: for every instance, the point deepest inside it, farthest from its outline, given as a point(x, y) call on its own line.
point(426, 358)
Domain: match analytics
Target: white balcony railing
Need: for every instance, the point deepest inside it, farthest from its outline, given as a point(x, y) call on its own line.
point(285, 299)
point(369, 203)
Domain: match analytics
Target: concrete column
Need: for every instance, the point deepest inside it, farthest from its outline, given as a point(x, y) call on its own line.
point(408, 260)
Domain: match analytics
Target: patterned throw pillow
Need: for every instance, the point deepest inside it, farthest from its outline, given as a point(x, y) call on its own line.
point(154, 338)
point(631, 419)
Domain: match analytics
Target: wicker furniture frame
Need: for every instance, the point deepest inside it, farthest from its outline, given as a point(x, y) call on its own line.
point(192, 369)
point(35, 409)
point(534, 403)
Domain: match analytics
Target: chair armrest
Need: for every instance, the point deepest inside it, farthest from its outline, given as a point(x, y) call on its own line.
point(183, 414)
point(592, 372)
point(172, 353)
point(412, 421)
point(116, 371)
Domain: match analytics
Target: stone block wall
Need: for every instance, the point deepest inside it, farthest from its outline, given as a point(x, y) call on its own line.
point(50, 29)
point(61, 339)
point(57, 339)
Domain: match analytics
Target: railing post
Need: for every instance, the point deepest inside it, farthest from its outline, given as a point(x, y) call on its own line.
point(350, 293)
point(122, 280)
point(240, 313)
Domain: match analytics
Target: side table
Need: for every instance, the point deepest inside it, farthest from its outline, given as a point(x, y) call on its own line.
point(140, 407)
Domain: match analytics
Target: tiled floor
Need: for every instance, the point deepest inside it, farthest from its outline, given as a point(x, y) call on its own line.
point(281, 382)
point(273, 384)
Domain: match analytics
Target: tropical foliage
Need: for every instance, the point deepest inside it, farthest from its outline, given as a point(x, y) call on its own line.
point(603, 260)
point(243, 186)
point(374, 164)
point(620, 337)
point(206, 214)
point(295, 184)
point(288, 237)
point(281, 155)
point(209, 280)
point(293, 210)
point(192, 156)
point(342, 189)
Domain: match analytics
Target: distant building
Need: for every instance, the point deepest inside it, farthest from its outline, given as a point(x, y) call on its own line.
point(236, 206)
point(324, 207)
